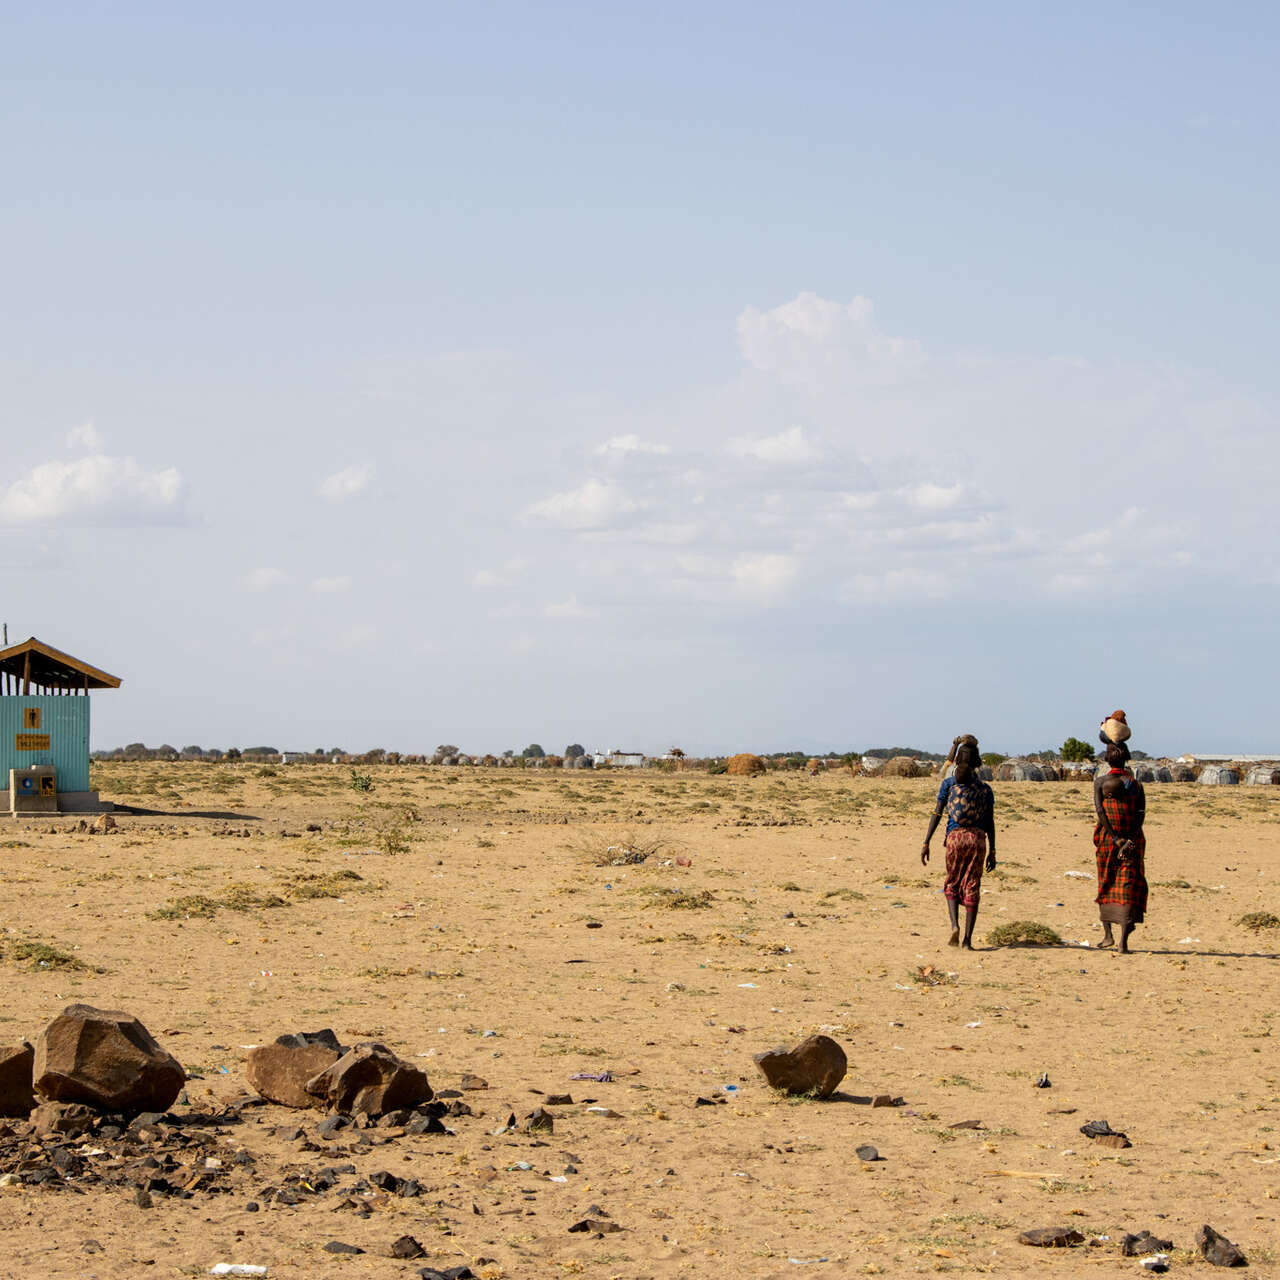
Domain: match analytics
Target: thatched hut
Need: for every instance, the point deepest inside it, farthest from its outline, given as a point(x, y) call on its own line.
point(815, 767)
point(1078, 771)
point(1019, 771)
point(1217, 775)
point(873, 764)
point(1148, 771)
point(1262, 775)
point(902, 767)
point(745, 765)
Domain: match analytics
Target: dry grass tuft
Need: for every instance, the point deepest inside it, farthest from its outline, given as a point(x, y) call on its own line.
point(679, 899)
point(1257, 920)
point(1023, 933)
point(328, 884)
point(33, 954)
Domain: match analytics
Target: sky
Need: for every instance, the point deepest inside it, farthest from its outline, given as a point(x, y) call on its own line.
point(723, 376)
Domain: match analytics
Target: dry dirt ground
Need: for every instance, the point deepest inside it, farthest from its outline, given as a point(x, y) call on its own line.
point(446, 913)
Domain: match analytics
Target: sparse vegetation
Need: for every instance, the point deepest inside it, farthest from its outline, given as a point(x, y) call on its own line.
point(679, 899)
point(31, 953)
point(1258, 920)
point(1023, 933)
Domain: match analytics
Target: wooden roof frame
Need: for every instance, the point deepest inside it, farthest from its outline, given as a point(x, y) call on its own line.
point(34, 662)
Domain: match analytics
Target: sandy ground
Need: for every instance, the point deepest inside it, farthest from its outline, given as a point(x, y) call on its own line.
point(470, 916)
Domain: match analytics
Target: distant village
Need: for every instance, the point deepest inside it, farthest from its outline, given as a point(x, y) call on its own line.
point(1075, 760)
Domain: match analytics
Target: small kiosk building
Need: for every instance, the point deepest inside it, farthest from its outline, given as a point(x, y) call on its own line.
point(44, 728)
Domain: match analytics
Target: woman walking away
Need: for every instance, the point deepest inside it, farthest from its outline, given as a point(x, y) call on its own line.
point(1121, 806)
point(971, 836)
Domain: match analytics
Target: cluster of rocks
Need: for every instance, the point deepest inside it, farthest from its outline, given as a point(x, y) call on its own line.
point(312, 1069)
point(93, 1097)
point(1214, 1247)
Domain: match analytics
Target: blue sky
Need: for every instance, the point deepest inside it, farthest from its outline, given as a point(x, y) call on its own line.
point(717, 375)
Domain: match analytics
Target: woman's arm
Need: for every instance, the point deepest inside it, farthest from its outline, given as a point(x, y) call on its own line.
point(1103, 820)
point(928, 835)
point(933, 822)
point(991, 829)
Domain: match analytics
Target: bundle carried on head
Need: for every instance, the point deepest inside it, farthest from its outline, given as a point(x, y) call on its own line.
point(1115, 730)
point(963, 740)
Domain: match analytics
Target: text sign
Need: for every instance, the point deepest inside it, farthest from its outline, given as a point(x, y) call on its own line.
point(31, 741)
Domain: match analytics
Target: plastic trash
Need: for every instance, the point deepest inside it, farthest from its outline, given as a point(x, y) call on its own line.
point(1078, 875)
point(729, 1088)
point(1155, 1262)
point(236, 1269)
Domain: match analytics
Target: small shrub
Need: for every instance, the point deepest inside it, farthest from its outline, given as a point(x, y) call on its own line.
point(329, 884)
point(1023, 933)
point(195, 906)
point(39, 955)
point(680, 899)
point(360, 781)
point(1257, 920)
point(391, 840)
point(244, 897)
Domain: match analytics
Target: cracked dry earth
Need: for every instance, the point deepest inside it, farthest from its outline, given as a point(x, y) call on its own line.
point(472, 920)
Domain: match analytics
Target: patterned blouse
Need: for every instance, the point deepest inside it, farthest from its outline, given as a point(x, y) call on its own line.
point(967, 804)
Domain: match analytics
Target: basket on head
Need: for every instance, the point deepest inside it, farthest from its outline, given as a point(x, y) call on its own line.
point(1115, 729)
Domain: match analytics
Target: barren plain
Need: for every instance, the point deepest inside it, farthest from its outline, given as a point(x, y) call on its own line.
point(473, 920)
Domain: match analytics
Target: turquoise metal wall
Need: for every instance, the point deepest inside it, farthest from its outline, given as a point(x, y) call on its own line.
point(65, 720)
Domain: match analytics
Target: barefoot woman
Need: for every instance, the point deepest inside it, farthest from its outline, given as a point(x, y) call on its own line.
point(971, 836)
point(1121, 806)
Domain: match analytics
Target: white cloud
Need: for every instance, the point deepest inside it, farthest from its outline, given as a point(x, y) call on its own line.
point(486, 578)
point(85, 437)
point(763, 575)
point(810, 336)
point(936, 497)
point(95, 490)
point(786, 447)
point(594, 505)
point(895, 586)
point(331, 586)
point(567, 609)
point(346, 483)
point(622, 445)
point(262, 579)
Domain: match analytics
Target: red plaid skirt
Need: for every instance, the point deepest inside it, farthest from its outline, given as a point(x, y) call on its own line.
point(966, 856)
point(1122, 882)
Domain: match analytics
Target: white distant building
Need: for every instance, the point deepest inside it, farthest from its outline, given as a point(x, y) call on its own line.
point(1197, 757)
point(616, 759)
point(294, 757)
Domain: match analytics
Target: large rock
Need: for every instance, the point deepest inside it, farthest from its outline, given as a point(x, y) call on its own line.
point(1051, 1237)
point(280, 1071)
point(1218, 1250)
point(370, 1079)
point(16, 1098)
point(104, 1059)
point(815, 1066)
